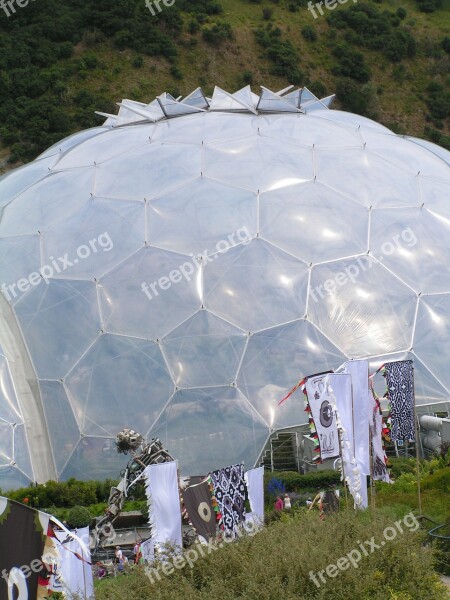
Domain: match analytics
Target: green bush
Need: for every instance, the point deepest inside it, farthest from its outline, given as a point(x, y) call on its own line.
point(294, 482)
point(277, 562)
point(309, 33)
point(217, 33)
point(79, 516)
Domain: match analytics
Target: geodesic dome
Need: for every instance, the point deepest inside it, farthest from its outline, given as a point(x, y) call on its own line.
point(180, 268)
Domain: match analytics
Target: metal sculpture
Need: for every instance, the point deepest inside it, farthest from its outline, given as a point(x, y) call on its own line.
point(143, 454)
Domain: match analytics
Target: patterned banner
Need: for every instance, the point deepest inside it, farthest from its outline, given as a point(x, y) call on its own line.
point(400, 393)
point(229, 491)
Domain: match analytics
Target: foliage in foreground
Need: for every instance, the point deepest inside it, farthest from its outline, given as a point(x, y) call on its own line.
point(276, 564)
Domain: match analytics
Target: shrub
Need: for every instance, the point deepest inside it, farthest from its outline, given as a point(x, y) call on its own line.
point(276, 563)
point(138, 62)
point(351, 64)
point(401, 13)
point(309, 33)
point(218, 33)
point(79, 516)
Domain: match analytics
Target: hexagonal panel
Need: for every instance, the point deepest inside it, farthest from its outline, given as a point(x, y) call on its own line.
point(201, 215)
point(19, 256)
point(366, 178)
point(62, 426)
point(206, 127)
point(435, 194)
point(257, 163)
point(314, 222)
point(275, 360)
point(406, 154)
point(256, 286)
point(152, 169)
point(415, 252)
point(361, 307)
point(309, 131)
point(59, 321)
point(209, 428)
point(49, 201)
point(17, 181)
point(432, 334)
point(94, 240)
point(120, 382)
point(94, 458)
point(112, 143)
point(150, 293)
point(204, 350)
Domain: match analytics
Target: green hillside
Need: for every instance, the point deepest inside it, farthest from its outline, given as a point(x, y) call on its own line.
point(60, 61)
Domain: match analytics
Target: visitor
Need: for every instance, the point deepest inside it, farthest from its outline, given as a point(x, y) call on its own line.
point(279, 504)
point(119, 554)
point(287, 502)
point(101, 570)
point(137, 553)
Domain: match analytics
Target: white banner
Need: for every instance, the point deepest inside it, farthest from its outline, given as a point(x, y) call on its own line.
point(255, 488)
point(164, 504)
point(322, 413)
point(74, 570)
point(359, 370)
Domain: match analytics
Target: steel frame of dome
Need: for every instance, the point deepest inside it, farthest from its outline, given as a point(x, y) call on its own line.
point(43, 407)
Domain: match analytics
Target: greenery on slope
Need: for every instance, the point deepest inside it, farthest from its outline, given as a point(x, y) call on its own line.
point(60, 61)
point(277, 562)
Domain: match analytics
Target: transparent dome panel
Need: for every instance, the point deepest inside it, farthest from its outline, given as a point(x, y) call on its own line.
point(12, 479)
point(432, 333)
point(201, 428)
point(112, 143)
point(361, 307)
point(257, 163)
point(72, 140)
point(275, 360)
point(414, 244)
point(94, 240)
point(21, 452)
point(61, 423)
point(407, 155)
point(59, 321)
point(9, 407)
point(6, 444)
point(204, 350)
point(206, 127)
point(19, 257)
point(120, 382)
point(314, 222)
point(49, 201)
point(308, 131)
point(256, 286)
point(366, 178)
point(149, 294)
point(152, 170)
point(22, 178)
point(202, 215)
point(94, 458)
point(435, 195)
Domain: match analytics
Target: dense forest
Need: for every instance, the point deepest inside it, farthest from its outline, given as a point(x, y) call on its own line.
point(61, 61)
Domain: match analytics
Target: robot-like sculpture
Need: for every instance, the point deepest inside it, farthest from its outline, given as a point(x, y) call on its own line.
point(143, 454)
